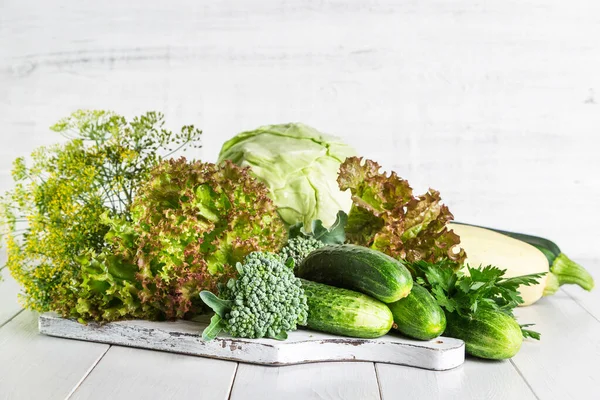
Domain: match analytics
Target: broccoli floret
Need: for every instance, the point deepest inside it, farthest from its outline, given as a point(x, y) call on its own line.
point(266, 300)
point(299, 247)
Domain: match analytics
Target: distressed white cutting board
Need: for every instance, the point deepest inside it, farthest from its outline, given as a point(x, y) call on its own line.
point(302, 346)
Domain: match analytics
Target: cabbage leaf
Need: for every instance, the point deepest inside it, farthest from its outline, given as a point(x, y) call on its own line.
point(299, 165)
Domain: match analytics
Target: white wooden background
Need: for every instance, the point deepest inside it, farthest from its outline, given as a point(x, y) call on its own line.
point(494, 103)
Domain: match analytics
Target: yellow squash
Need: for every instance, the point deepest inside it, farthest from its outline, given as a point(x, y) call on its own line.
point(486, 247)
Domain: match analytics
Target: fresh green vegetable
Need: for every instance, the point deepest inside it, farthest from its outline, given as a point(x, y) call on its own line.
point(487, 247)
point(301, 243)
point(477, 295)
point(299, 247)
point(489, 334)
point(335, 234)
point(466, 293)
point(418, 315)
point(267, 300)
point(563, 269)
point(192, 222)
point(358, 268)
point(385, 215)
point(345, 312)
point(299, 165)
point(56, 212)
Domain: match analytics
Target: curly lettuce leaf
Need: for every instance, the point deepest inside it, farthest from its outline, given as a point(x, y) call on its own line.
point(194, 222)
point(386, 216)
point(190, 223)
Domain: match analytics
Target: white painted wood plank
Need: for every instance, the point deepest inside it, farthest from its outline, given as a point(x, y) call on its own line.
point(475, 379)
point(302, 346)
point(588, 300)
point(9, 304)
point(34, 366)
point(564, 364)
point(322, 381)
point(126, 373)
point(478, 99)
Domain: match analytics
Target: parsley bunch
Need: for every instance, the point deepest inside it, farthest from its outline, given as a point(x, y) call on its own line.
point(467, 293)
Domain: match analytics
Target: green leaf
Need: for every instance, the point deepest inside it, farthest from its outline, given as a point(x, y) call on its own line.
point(467, 294)
point(281, 336)
point(296, 231)
point(219, 306)
point(335, 234)
point(388, 217)
point(290, 263)
point(529, 333)
point(213, 330)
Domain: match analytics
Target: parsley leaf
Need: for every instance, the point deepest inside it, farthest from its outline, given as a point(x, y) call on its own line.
point(483, 288)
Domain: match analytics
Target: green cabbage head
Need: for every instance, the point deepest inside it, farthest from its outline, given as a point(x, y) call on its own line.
point(299, 165)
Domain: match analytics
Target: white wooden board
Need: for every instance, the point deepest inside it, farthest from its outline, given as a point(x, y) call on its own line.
point(301, 347)
point(34, 366)
point(9, 304)
point(145, 374)
point(564, 363)
point(588, 300)
point(475, 379)
point(319, 381)
point(494, 103)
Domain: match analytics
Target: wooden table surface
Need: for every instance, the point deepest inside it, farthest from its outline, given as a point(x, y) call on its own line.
point(563, 365)
point(493, 103)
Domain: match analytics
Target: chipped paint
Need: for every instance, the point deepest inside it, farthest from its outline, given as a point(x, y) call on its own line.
point(302, 346)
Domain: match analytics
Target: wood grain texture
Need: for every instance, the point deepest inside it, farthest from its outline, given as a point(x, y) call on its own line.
point(495, 104)
point(322, 381)
point(302, 346)
point(9, 304)
point(475, 379)
point(34, 366)
point(563, 364)
point(125, 373)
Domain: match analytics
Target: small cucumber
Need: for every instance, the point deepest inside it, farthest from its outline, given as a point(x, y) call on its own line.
point(418, 315)
point(345, 312)
point(490, 334)
point(358, 268)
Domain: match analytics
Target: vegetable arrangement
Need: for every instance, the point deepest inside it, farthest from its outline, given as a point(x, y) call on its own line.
point(288, 229)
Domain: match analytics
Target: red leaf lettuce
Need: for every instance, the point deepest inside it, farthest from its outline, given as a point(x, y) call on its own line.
point(385, 215)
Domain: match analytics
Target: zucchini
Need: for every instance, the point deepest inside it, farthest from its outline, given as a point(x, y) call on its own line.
point(418, 315)
point(486, 247)
point(358, 268)
point(563, 269)
point(489, 334)
point(345, 312)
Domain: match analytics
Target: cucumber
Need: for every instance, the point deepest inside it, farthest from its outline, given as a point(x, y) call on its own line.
point(418, 315)
point(565, 270)
point(345, 312)
point(490, 334)
point(358, 268)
